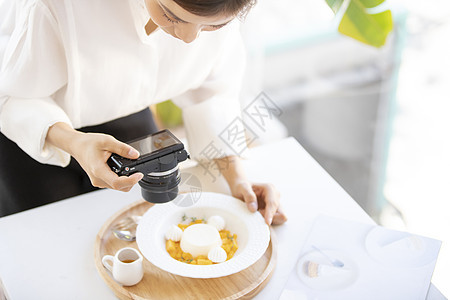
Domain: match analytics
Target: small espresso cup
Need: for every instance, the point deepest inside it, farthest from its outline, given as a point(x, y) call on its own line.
point(125, 266)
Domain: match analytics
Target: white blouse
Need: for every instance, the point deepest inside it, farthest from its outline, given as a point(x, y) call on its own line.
point(87, 62)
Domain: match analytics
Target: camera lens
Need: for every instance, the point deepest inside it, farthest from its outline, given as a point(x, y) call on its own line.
point(160, 187)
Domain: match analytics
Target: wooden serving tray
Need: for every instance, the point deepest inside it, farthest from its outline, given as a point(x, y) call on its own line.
point(159, 284)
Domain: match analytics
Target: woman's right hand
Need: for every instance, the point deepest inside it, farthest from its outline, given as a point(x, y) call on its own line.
point(92, 151)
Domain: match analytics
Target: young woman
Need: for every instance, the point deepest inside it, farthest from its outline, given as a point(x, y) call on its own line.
point(77, 78)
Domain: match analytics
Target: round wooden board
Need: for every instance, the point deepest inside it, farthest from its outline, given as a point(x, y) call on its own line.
point(159, 284)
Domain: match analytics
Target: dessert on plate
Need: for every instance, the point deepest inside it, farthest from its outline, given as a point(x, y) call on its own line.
point(201, 242)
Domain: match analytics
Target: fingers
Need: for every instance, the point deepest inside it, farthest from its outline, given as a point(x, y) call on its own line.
point(106, 178)
point(279, 218)
point(124, 150)
point(262, 197)
point(92, 152)
point(111, 180)
point(271, 209)
point(124, 183)
point(250, 198)
point(270, 197)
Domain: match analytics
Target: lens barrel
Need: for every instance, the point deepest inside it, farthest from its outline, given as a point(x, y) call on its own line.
point(160, 187)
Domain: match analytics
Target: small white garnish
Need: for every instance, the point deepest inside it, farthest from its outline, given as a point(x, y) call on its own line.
point(174, 233)
point(217, 221)
point(217, 255)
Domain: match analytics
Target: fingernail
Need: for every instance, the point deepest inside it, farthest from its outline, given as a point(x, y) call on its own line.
point(269, 221)
point(133, 152)
point(252, 206)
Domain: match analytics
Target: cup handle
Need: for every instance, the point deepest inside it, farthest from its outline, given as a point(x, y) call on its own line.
point(105, 261)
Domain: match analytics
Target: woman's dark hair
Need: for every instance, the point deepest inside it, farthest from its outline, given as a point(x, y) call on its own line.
point(207, 8)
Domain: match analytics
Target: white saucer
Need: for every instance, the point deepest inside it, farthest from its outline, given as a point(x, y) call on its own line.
point(328, 277)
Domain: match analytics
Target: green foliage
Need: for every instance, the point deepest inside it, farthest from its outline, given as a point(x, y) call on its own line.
point(169, 114)
point(359, 23)
point(334, 4)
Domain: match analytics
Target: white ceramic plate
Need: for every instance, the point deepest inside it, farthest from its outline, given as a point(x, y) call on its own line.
point(252, 232)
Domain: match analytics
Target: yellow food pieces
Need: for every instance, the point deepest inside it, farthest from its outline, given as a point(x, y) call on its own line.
point(183, 226)
point(229, 244)
point(203, 260)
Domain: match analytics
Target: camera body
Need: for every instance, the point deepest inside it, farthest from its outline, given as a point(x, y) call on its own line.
point(161, 153)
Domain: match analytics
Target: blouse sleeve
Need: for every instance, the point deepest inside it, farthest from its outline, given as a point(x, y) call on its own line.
point(213, 118)
point(33, 68)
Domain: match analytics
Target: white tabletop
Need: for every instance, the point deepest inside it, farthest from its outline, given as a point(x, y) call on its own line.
point(47, 252)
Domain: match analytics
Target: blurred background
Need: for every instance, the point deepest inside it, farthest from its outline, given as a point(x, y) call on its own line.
point(374, 118)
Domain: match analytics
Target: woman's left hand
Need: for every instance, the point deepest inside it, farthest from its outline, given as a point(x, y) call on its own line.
point(262, 197)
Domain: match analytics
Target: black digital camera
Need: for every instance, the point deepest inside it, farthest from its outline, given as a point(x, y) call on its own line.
point(161, 153)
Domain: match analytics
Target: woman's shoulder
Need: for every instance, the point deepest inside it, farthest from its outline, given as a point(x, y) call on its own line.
point(16, 14)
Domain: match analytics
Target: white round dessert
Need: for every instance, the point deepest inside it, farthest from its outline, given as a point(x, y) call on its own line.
point(198, 239)
point(217, 221)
